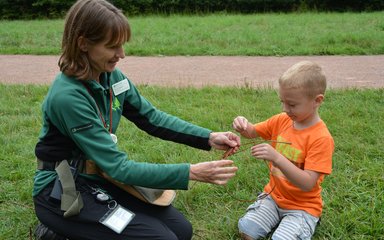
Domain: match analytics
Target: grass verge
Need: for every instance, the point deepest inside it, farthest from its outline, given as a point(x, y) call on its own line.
point(220, 34)
point(353, 194)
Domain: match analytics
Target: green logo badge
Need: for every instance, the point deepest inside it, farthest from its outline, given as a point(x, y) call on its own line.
point(116, 104)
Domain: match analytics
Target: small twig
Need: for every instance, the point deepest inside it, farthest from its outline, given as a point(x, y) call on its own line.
point(30, 233)
point(228, 153)
point(254, 142)
point(262, 141)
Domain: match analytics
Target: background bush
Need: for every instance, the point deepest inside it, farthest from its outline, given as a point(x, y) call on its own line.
point(32, 9)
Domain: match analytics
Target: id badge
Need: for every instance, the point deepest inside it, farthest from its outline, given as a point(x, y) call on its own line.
point(120, 87)
point(117, 219)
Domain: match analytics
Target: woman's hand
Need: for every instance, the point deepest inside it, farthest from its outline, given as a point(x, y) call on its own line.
point(224, 140)
point(216, 172)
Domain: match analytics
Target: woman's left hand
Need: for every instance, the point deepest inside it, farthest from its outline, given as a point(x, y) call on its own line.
point(224, 140)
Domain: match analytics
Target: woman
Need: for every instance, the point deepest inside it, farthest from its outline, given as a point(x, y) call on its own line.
point(77, 144)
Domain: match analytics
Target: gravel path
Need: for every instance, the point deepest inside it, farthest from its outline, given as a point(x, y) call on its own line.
point(180, 71)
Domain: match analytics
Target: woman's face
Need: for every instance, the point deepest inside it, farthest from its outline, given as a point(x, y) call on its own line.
point(104, 58)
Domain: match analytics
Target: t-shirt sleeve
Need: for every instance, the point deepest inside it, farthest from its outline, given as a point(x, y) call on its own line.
point(319, 155)
point(267, 128)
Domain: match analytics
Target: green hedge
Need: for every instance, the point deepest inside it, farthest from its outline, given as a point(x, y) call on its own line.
point(30, 9)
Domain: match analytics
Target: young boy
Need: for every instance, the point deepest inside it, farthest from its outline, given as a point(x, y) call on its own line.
point(299, 158)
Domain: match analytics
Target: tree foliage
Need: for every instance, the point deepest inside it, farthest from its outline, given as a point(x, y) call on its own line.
point(31, 9)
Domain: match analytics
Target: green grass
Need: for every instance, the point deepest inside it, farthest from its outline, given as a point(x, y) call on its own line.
point(220, 34)
point(353, 194)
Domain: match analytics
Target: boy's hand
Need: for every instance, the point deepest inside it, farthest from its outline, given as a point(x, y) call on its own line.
point(240, 124)
point(264, 151)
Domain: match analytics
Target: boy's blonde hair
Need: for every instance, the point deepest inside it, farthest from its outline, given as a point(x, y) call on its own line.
point(95, 21)
point(307, 76)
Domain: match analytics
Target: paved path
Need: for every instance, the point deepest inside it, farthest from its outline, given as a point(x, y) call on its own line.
point(341, 71)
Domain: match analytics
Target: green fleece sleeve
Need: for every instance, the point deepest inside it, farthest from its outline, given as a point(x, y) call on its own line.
point(74, 112)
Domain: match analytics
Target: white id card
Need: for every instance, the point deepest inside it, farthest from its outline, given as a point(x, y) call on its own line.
point(120, 87)
point(117, 219)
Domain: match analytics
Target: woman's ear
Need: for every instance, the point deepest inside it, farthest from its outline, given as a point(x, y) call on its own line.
point(82, 44)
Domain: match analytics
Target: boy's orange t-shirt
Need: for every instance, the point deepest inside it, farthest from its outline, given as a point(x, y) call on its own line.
point(311, 149)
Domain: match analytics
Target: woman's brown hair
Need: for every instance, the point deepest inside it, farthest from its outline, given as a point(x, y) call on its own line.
point(94, 20)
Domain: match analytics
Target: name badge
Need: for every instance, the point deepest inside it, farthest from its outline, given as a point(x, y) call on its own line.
point(117, 219)
point(120, 87)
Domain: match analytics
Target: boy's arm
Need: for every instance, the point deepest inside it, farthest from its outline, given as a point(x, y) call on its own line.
point(303, 179)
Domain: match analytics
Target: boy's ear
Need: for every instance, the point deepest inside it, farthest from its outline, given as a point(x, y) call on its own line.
point(319, 99)
point(82, 44)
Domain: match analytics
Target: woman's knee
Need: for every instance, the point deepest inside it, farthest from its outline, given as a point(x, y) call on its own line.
point(183, 229)
point(187, 231)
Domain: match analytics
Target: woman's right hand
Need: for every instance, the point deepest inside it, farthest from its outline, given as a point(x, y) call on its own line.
point(216, 172)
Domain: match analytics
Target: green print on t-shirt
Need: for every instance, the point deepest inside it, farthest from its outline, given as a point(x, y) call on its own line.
point(288, 151)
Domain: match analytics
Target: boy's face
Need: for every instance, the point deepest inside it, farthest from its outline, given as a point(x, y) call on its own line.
point(299, 107)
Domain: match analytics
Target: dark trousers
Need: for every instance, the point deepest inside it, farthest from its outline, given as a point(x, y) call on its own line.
point(150, 221)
